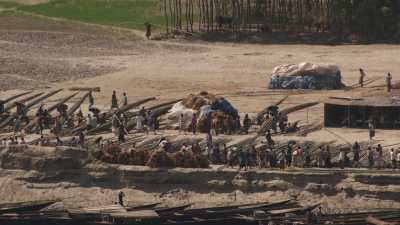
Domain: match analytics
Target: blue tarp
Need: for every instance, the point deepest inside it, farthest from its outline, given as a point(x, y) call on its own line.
point(225, 106)
point(304, 82)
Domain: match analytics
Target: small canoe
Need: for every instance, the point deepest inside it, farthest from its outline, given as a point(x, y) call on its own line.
point(171, 210)
point(25, 206)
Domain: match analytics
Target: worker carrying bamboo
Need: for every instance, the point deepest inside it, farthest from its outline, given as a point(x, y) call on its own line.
point(147, 26)
point(388, 82)
point(362, 77)
point(114, 100)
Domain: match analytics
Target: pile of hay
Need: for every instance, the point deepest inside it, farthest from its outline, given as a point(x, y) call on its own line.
point(197, 101)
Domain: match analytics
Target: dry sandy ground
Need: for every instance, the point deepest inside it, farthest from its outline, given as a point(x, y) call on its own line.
point(35, 53)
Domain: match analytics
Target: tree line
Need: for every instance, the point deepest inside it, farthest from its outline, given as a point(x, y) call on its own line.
point(377, 19)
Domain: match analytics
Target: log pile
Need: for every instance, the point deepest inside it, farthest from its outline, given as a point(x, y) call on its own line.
point(309, 128)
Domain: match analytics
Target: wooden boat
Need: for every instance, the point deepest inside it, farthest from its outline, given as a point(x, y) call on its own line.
point(224, 213)
point(25, 206)
point(218, 221)
point(296, 211)
point(142, 207)
point(267, 205)
point(171, 210)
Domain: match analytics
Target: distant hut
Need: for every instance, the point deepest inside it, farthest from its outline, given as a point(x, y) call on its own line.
point(384, 111)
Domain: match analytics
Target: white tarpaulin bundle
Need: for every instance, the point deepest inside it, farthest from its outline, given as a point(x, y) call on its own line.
point(305, 68)
point(175, 112)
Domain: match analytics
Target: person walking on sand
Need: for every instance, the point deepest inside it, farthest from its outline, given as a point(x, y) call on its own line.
point(388, 82)
point(114, 100)
point(371, 129)
point(147, 26)
point(362, 77)
point(124, 99)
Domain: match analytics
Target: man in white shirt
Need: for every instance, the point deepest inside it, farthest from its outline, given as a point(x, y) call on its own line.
point(393, 158)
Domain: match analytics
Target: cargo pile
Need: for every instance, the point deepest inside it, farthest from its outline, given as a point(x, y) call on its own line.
point(212, 112)
point(306, 76)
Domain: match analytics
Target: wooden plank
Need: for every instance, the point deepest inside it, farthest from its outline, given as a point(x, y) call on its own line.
point(140, 214)
point(77, 104)
point(37, 101)
point(346, 98)
point(62, 101)
point(15, 97)
point(92, 89)
point(13, 104)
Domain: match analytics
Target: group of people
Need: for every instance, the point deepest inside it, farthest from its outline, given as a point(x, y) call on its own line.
point(225, 124)
point(267, 155)
point(388, 80)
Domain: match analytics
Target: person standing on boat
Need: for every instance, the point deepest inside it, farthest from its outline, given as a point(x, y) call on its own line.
point(121, 196)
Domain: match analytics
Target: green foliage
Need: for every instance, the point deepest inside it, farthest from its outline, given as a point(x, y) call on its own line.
point(123, 13)
point(6, 4)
